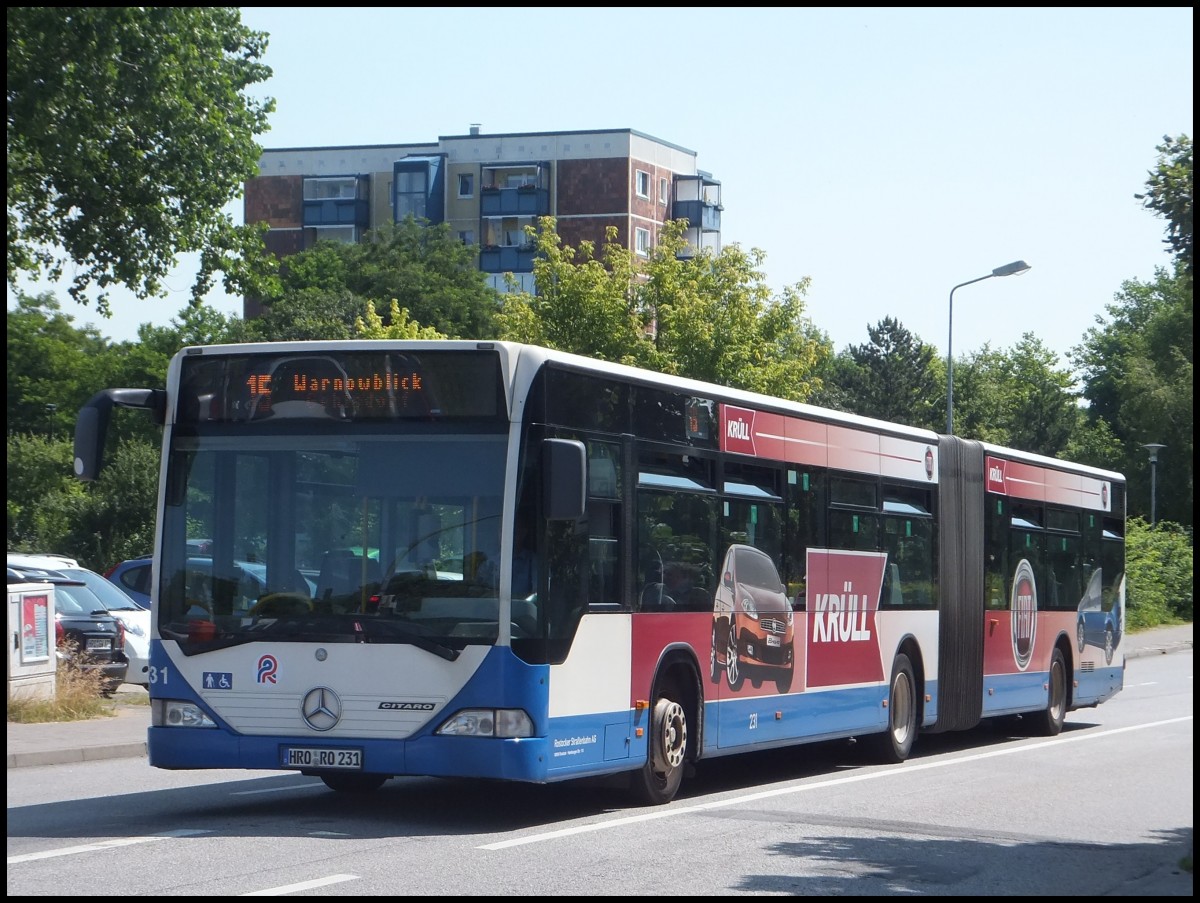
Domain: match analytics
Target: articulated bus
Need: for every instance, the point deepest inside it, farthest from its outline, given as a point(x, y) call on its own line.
point(703, 571)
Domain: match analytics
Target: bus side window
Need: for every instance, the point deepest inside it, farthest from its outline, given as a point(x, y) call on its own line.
point(893, 594)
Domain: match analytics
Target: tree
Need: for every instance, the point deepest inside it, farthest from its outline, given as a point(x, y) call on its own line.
point(38, 465)
point(1136, 368)
point(717, 320)
point(705, 316)
point(423, 266)
point(894, 377)
point(1169, 195)
point(584, 304)
point(128, 133)
point(1020, 398)
point(979, 396)
point(307, 313)
point(53, 366)
point(399, 325)
point(1040, 411)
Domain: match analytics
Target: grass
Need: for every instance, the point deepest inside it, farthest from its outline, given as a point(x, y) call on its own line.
point(78, 696)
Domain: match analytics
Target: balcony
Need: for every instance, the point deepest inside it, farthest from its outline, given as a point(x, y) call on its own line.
point(700, 215)
point(336, 212)
point(511, 259)
point(527, 200)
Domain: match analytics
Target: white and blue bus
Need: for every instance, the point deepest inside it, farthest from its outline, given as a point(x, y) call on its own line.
point(493, 560)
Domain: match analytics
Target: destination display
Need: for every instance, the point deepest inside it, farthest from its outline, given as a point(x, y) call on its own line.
point(341, 385)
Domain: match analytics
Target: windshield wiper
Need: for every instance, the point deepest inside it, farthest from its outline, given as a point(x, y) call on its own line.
point(406, 631)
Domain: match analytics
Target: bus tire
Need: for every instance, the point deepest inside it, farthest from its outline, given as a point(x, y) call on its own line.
point(354, 783)
point(1049, 723)
point(733, 667)
point(897, 741)
point(658, 780)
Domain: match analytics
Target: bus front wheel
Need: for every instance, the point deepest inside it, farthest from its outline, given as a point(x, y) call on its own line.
point(658, 780)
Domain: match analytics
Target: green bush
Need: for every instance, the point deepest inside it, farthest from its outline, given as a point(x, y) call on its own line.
point(1158, 584)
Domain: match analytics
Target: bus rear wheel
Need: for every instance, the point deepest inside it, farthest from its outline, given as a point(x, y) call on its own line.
point(658, 780)
point(897, 741)
point(1049, 723)
point(354, 783)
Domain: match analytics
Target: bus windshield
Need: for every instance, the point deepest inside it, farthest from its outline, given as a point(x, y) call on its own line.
point(323, 538)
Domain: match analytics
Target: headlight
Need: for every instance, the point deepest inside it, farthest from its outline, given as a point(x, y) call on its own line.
point(748, 607)
point(488, 723)
point(178, 713)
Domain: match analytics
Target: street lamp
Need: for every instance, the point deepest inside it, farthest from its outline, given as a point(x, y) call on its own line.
point(1009, 269)
point(1153, 448)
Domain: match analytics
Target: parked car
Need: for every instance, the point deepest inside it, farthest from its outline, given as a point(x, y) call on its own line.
point(133, 577)
point(86, 636)
point(134, 618)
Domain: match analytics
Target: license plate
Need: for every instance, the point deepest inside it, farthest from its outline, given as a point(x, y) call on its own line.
point(99, 645)
point(316, 757)
point(772, 641)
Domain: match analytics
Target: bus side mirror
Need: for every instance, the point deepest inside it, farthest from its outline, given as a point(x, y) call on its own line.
point(91, 425)
point(564, 479)
point(91, 428)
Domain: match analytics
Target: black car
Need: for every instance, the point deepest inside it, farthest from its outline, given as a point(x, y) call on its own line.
point(86, 635)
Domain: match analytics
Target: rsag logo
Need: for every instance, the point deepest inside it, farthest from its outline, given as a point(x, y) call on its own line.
point(1023, 607)
point(268, 669)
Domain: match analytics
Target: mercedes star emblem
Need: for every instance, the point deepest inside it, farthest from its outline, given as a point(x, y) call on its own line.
point(321, 709)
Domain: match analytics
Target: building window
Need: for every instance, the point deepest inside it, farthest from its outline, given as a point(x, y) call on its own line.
point(467, 236)
point(642, 241)
point(347, 234)
point(643, 184)
point(411, 195)
point(662, 191)
point(338, 188)
point(466, 185)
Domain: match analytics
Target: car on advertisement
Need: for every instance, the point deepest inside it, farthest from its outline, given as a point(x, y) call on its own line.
point(86, 636)
point(752, 634)
point(1096, 625)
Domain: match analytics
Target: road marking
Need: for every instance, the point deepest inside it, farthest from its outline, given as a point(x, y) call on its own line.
point(303, 885)
point(102, 845)
point(889, 771)
point(318, 785)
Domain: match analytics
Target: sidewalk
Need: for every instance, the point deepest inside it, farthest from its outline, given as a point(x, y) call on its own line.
point(124, 735)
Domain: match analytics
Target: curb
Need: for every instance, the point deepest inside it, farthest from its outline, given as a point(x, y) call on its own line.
point(75, 756)
point(1159, 650)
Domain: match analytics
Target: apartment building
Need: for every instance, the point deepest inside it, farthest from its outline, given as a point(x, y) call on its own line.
point(488, 188)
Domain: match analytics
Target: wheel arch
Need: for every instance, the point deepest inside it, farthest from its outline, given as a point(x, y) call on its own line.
point(1063, 643)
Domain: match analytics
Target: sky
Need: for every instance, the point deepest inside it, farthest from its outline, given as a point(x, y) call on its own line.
point(884, 155)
